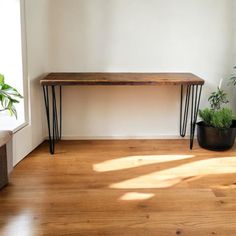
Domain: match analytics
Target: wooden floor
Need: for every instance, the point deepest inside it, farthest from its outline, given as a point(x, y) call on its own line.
point(121, 188)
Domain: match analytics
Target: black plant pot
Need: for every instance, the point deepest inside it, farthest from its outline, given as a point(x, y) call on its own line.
point(214, 138)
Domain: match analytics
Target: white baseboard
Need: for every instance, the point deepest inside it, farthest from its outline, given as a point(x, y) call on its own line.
point(75, 137)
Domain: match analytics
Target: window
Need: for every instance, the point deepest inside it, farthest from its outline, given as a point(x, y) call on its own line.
point(11, 59)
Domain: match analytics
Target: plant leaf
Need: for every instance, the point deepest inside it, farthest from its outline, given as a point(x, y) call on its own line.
point(1, 79)
point(11, 91)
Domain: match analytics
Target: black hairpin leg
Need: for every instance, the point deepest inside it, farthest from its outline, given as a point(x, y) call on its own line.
point(47, 106)
point(60, 94)
point(54, 132)
point(55, 119)
point(196, 91)
point(193, 93)
point(184, 117)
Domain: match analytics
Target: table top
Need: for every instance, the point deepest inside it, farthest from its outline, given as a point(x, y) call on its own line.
point(121, 79)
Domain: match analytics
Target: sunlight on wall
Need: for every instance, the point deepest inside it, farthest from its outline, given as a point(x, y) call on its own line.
point(136, 196)
point(11, 56)
point(187, 172)
point(136, 161)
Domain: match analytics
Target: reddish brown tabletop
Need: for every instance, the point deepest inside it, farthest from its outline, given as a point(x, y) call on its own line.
point(121, 79)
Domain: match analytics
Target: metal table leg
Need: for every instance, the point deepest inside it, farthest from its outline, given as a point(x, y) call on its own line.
point(54, 129)
point(196, 96)
point(193, 93)
point(184, 117)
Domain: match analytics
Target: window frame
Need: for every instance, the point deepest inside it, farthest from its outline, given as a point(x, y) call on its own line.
point(24, 67)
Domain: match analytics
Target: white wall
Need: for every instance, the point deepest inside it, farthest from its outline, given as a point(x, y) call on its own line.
point(136, 36)
point(226, 85)
point(36, 17)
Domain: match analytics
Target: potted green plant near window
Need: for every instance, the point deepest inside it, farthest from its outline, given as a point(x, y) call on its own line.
point(217, 129)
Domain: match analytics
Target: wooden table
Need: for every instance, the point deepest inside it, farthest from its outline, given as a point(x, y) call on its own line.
point(190, 93)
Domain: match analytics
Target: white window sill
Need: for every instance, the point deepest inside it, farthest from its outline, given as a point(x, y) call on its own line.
point(11, 123)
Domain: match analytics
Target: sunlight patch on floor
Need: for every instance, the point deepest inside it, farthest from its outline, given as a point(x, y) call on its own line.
point(22, 223)
point(136, 196)
point(187, 172)
point(136, 161)
point(231, 186)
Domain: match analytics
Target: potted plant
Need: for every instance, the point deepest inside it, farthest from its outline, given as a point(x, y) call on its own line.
point(217, 129)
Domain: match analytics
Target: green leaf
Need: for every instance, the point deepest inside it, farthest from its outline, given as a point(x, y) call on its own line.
point(11, 91)
point(217, 99)
point(14, 111)
point(5, 102)
point(233, 78)
point(1, 79)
